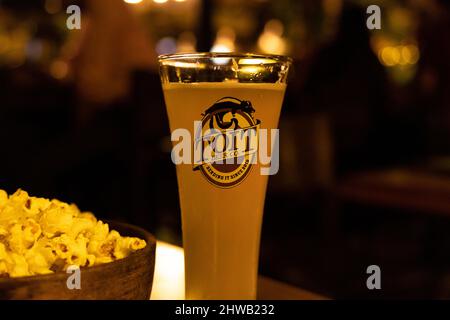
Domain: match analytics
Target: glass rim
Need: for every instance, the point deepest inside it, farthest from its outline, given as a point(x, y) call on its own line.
point(230, 55)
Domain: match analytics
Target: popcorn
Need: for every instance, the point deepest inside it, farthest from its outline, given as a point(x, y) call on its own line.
point(41, 236)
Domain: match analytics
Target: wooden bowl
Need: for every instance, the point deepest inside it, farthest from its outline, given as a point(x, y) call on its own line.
point(130, 278)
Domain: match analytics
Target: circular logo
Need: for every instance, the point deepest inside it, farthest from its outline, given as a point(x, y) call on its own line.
point(229, 137)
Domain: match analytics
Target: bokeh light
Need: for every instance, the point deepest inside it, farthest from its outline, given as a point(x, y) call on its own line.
point(271, 41)
point(399, 55)
point(53, 6)
point(166, 45)
point(4, 43)
point(186, 42)
point(225, 40)
point(59, 69)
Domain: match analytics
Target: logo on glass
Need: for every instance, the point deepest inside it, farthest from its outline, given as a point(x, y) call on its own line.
point(229, 138)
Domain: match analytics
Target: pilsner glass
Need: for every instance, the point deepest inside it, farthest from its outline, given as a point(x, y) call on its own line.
point(222, 192)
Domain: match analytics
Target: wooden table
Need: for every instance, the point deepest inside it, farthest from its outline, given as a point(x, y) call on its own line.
point(270, 289)
point(403, 188)
point(168, 281)
point(420, 192)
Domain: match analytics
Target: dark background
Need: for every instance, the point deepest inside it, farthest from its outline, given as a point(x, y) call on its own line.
point(365, 128)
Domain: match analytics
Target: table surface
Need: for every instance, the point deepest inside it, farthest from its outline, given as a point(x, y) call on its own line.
point(168, 283)
point(404, 188)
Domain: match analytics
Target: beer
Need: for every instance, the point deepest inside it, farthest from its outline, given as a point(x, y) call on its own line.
point(222, 202)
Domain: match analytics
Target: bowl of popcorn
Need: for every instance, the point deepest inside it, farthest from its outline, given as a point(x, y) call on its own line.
point(51, 250)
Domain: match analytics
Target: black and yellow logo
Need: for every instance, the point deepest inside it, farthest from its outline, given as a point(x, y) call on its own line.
point(229, 138)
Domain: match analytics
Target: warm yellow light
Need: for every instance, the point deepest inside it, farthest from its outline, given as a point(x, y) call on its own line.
point(224, 40)
point(253, 61)
point(399, 55)
point(271, 40)
point(332, 7)
point(221, 47)
point(159, 1)
point(168, 282)
point(15, 58)
point(59, 69)
point(410, 54)
point(251, 69)
point(390, 56)
point(396, 55)
point(186, 42)
point(53, 6)
point(274, 26)
point(384, 56)
point(271, 43)
point(133, 1)
point(4, 43)
point(181, 64)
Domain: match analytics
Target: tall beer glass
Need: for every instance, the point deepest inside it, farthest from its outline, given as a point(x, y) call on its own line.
point(208, 97)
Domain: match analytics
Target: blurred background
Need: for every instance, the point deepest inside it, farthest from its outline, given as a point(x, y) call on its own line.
point(365, 129)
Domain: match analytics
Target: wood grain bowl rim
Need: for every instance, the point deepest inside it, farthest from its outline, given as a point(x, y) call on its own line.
point(125, 229)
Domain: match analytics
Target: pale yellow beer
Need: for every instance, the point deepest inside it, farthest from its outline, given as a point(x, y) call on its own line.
point(221, 226)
